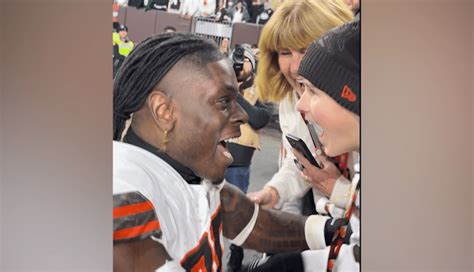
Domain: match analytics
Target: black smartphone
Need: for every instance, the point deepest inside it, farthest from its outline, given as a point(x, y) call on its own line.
point(314, 136)
point(317, 143)
point(300, 145)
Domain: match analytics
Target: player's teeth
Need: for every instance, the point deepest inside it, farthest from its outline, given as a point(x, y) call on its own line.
point(232, 140)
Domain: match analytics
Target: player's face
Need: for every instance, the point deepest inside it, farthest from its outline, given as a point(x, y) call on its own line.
point(340, 127)
point(206, 115)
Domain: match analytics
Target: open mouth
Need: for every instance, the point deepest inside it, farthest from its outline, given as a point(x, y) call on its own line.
point(223, 146)
point(223, 143)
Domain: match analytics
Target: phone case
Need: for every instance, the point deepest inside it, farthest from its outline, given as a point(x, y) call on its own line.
point(300, 145)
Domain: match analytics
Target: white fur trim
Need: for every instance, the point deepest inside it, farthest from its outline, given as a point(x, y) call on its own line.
point(314, 231)
point(321, 205)
point(341, 193)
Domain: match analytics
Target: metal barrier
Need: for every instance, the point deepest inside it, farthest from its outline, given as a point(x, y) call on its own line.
point(144, 24)
point(209, 28)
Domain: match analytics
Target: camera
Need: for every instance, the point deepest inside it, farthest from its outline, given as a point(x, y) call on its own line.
point(237, 58)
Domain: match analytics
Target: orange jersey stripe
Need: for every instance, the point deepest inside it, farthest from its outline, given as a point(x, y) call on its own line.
point(136, 231)
point(132, 209)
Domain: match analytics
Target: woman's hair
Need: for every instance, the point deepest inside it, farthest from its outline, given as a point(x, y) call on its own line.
point(294, 25)
point(148, 63)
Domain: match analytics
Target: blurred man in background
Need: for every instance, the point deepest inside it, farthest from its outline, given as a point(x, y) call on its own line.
point(243, 148)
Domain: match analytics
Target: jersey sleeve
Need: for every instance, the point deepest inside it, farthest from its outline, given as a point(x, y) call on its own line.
point(134, 218)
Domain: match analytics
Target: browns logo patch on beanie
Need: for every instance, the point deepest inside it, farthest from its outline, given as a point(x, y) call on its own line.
point(332, 64)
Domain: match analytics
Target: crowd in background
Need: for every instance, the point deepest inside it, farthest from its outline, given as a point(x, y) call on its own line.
point(250, 11)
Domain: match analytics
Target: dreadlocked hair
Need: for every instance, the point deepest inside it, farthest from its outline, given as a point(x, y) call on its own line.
point(148, 63)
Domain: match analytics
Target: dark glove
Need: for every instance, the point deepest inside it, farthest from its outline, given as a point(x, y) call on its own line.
point(282, 262)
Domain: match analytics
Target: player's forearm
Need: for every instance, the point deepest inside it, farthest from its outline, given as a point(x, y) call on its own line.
point(277, 231)
point(273, 231)
point(237, 210)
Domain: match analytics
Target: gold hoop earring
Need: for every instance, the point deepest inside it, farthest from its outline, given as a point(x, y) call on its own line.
point(165, 140)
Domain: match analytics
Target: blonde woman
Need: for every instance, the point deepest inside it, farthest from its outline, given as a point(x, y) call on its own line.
point(283, 42)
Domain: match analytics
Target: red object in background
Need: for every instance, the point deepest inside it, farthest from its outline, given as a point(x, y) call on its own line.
point(342, 164)
point(115, 10)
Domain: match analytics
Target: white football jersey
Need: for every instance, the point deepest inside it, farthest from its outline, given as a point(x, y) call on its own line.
point(153, 201)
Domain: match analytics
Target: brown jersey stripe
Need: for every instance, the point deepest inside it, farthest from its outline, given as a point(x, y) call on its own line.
point(134, 220)
point(155, 233)
point(132, 209)
point(137, 231)
point(128, 199)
